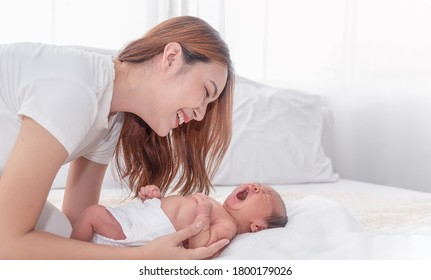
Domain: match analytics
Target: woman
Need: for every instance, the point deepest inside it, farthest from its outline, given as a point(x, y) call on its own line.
point(146, 106)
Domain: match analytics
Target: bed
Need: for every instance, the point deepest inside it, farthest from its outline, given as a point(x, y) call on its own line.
point(336, 221)
point(282, 138)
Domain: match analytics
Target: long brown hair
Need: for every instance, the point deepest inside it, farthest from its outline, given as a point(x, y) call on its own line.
point(191, 153)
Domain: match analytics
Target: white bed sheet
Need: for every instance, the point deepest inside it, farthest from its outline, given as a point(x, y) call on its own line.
point(342, 220)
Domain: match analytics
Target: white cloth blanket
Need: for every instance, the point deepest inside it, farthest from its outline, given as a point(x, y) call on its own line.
point(320, 228)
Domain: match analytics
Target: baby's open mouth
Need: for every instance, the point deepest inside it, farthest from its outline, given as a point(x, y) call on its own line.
point(242, 195)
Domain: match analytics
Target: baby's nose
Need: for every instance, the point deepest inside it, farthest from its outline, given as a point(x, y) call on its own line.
point(255, 188)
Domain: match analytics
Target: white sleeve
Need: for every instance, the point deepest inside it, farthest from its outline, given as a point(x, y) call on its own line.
point(64, 107)
point(104, 151)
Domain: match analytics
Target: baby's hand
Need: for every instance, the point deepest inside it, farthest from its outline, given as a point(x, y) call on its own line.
point(204, 204)
point(149, 191)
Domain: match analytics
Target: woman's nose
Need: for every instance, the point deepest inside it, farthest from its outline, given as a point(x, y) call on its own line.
point(199, 113)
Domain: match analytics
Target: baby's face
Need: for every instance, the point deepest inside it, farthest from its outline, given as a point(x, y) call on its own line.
point(253, 202)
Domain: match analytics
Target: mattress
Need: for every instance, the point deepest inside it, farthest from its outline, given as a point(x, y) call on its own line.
point(334, 221)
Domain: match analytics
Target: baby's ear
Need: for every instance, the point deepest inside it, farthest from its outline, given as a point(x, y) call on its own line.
point(258, 226)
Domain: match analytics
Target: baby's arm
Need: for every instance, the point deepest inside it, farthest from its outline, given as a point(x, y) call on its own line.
point(97, 219)
point(149, 191)
point(214, 228)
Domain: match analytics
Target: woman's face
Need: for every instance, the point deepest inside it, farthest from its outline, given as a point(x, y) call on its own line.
point(184, 96)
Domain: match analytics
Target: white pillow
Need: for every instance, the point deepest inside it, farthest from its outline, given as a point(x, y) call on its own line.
point(276, 138)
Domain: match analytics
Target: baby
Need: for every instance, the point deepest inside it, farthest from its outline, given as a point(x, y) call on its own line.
point(250, 207)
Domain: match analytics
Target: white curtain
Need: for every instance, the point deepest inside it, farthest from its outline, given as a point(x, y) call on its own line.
point(371, 59)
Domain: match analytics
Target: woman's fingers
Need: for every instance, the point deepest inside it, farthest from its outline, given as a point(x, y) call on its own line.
point(202, 252)
point(163, 248)
point(170, 246)
point(188, 232)
point(208, 252)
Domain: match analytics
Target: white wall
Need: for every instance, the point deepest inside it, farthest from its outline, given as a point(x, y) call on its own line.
point(384, 140)
point(377, 138)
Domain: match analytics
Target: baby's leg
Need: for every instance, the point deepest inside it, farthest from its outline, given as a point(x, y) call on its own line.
point(97, 219)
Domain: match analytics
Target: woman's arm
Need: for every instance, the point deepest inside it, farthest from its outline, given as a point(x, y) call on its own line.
point(27, 178)
point(24, 186)
point(84, 182)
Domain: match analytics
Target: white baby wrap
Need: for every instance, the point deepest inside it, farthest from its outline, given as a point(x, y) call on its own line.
point(141, 222)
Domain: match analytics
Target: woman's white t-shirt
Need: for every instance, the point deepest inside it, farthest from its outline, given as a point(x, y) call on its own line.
point(66, 90)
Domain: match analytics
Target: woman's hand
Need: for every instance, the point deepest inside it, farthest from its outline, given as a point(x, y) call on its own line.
point(169, 246)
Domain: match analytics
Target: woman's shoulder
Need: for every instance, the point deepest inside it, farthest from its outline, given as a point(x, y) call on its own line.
point(36, 49)
point(42, 59)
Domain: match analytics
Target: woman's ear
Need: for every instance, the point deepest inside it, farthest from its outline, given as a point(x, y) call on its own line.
point(172, 56)
point(258, 226)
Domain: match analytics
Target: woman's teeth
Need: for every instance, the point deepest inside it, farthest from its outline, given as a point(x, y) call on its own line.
point(180, 117)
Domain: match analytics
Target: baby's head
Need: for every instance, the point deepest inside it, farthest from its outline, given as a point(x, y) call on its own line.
point(256, 207)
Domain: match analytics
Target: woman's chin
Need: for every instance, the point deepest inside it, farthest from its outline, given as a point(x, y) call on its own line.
point(162, 131)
